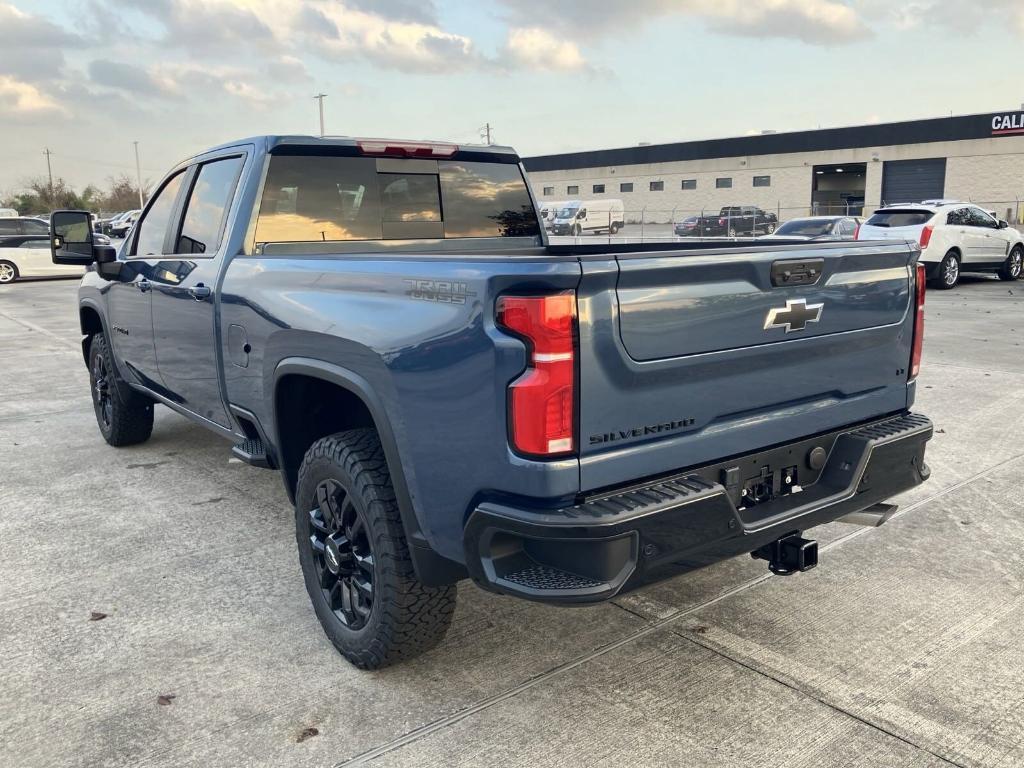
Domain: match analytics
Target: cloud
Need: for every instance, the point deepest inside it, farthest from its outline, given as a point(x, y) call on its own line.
point(536, 48)
point(813, 21)
point(211, 26)
point(22, 99)
point(421, 11)
point(962, 15)
point(20, 29)
point(287, 69)
point(337, 31)
point(30, 46)
point(128, 77)
point(818, 22)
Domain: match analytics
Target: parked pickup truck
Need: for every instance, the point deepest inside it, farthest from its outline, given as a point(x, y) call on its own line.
point(732, 221)
point(446, 396)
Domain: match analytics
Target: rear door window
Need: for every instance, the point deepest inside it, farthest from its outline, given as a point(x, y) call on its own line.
point(35, 227)
point(317, 198)
point(958, 218)
point(897, 218)
point(207, 206)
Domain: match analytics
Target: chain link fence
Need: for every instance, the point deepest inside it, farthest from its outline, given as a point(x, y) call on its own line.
point(730, 222)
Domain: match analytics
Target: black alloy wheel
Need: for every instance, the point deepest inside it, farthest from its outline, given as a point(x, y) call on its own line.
point(101, 394)
point(342, 554)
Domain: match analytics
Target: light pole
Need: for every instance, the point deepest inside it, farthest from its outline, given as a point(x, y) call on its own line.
point(320, 98)
point(138, 174)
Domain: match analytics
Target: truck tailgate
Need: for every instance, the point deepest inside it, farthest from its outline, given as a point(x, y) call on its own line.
point(712, 354)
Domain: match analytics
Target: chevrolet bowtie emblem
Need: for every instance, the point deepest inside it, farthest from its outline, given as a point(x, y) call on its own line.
point(794, 317)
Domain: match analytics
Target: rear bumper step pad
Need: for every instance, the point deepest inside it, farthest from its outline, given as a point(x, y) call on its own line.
point(621, 539)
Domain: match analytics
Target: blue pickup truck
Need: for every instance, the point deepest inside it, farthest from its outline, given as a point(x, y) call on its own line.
point(447, 396)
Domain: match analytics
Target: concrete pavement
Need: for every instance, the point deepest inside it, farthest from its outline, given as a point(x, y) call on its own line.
point(901, 649)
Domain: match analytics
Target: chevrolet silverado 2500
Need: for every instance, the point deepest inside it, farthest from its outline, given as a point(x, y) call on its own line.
point(447, 396)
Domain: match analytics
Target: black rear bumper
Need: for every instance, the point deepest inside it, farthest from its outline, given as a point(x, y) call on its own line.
point(621, 539)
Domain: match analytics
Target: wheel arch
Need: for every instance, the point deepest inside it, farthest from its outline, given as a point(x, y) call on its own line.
point(91, 322)
point(351, 402)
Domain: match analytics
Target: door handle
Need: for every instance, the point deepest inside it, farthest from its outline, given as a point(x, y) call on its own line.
point(199, 292)
point(144, 285)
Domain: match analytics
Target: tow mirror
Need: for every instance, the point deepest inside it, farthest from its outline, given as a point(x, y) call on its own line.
point(71, 240)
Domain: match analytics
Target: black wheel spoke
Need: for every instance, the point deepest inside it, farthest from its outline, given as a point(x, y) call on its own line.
point(339, 540)
point(364, 561)
point(317, 522)
point(334, 595)
point(364, 586)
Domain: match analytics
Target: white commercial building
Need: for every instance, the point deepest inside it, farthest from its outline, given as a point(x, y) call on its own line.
point(979, 158)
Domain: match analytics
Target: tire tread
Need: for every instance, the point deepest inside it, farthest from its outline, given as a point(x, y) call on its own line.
point(132, 421)
point(413, 618)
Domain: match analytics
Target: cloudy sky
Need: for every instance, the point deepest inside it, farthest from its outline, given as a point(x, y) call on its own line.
point(86, 78)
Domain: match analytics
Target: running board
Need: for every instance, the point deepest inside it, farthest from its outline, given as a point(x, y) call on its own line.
point(252, 452)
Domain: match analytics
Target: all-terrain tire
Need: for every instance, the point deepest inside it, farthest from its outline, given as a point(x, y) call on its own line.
point(124, 416)
point(1013, 267)
point(348, 473)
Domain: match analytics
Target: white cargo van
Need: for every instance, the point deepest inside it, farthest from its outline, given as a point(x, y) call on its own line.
point(579, 216)
point(549, 209)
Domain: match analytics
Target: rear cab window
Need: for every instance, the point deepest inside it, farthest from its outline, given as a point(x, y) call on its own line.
point(900, 218)
point(317, 198)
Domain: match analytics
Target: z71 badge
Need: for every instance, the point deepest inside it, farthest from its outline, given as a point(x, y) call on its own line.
point(441, 291)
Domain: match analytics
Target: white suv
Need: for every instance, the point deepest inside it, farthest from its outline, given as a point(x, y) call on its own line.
point(953, 236)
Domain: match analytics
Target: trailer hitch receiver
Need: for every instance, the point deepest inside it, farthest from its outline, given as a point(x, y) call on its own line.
point(788, 555)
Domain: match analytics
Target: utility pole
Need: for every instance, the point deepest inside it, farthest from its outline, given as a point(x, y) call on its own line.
point(485, 133)
point(320, 97)
point(138, 174)
point(49, 170)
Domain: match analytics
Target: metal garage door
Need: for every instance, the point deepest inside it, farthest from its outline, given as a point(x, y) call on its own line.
point(911, 181)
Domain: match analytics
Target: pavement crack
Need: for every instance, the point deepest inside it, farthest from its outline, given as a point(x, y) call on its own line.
point(437, 725)
point(765, 673)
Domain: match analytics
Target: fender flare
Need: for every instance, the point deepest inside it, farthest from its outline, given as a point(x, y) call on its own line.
point(90, 304)
point(432, 569)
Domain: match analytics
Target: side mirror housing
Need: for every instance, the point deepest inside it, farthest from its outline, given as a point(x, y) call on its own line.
point(71, 238)
point(1003, 224)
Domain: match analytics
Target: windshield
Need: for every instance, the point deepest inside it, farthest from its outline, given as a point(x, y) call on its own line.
point(805, 228)
point(899, 218)
point(567, 212)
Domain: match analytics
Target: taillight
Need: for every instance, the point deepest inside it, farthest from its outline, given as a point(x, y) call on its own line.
point(406, 148)
point(926, 236)
point(542, 402)
point(721, 222)
point(856, 232)
point(918, 343)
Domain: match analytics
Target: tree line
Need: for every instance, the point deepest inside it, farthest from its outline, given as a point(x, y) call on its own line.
point(38, 197)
